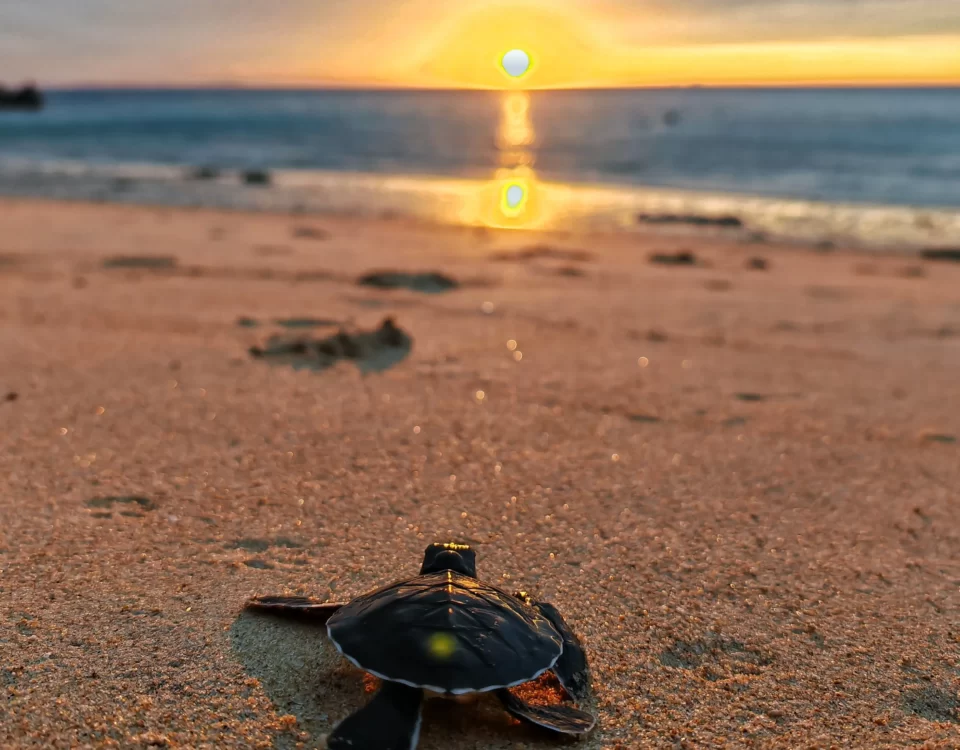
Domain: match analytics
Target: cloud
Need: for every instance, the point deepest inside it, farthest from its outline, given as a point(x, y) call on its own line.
point(738, 21)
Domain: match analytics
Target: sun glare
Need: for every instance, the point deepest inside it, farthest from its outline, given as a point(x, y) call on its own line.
point(537, 48)
point(529, 47)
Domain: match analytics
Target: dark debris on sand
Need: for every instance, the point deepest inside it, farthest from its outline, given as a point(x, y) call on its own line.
point(247, 322)
point(542, 252)
point(108, 502)
point(428, 283)
point(691, 220)
point(140, 261)
point(680, 258)
point(310, 233)
point(951, 255)
point(203, 173)
point(933, 703)
point(940, 437)
point(256, 177)
point(305, 322)
point(371, 351)
point(757, 264)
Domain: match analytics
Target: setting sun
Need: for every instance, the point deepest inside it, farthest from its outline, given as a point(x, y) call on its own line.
point(478, 48)
point(516, 63)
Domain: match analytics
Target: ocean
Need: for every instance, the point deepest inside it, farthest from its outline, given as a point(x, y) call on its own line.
point(877, 168)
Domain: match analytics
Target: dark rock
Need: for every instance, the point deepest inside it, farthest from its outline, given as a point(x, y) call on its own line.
point(305, 322)
point(390, 334)
point(428, 283)
point(756, 264)
point(371, 351)
point(680, 258)
point(203, 173)
point(731, 222)
point(27, 99)
point(258, 564)
point(543, 252)
point(109, 502)
point(750, 396)
point(940, 438)
point(256, 177)
point(251, 545)
point(951, 255)
point(11, 396)
point(348, 345)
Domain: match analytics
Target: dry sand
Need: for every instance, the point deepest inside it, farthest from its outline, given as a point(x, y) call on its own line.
point(757, 534)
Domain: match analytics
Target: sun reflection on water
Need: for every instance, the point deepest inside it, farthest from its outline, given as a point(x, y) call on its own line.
point(512, 198)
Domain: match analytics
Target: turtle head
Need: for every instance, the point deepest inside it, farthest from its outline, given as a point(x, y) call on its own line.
point(449, 556)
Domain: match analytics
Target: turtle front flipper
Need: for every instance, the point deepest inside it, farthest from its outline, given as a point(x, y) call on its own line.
point(294, 607)
point(391, 721)
point(557, 718)
point(571, 668)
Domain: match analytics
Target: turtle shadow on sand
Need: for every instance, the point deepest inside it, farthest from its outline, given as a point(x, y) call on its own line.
point(299, 670)
point(371, 351)
point(302, 674)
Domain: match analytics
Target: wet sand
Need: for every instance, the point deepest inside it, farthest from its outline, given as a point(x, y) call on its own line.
point(737, 480)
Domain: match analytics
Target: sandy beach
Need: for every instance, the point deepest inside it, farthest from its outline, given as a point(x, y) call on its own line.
point(736, 477)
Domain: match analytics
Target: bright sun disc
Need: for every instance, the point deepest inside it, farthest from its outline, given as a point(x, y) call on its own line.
point(513, 198)
point(515, 63)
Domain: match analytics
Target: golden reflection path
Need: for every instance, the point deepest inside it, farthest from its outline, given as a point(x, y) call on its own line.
point(512, 199)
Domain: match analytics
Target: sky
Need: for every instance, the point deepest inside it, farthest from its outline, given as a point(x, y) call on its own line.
point(427, 43)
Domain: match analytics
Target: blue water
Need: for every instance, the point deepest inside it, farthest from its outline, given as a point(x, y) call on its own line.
point(888, 147)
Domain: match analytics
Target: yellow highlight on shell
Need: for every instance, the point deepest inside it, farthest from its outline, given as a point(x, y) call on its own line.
point(442, 645)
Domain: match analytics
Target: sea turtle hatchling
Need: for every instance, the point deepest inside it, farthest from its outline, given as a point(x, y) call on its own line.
point(443, 633)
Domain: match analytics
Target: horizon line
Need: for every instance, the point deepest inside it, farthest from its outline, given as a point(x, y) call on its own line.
point(305, 87)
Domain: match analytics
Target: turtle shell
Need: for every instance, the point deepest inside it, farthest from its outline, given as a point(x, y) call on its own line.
point(446, 632)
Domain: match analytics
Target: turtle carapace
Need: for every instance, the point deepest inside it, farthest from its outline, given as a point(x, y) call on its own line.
point(446, 633)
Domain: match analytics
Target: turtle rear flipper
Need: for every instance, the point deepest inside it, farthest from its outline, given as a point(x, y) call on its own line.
point(557, 718)
point(571, 668)
point(294, 607)
point(391, 721)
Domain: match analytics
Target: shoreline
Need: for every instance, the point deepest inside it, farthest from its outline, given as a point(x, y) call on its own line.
point(581, 208)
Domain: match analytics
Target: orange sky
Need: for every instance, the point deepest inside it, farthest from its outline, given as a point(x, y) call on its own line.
point(425, 43)
point(568, 53)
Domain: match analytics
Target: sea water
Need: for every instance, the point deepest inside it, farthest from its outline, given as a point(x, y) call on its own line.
point(873, 167)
